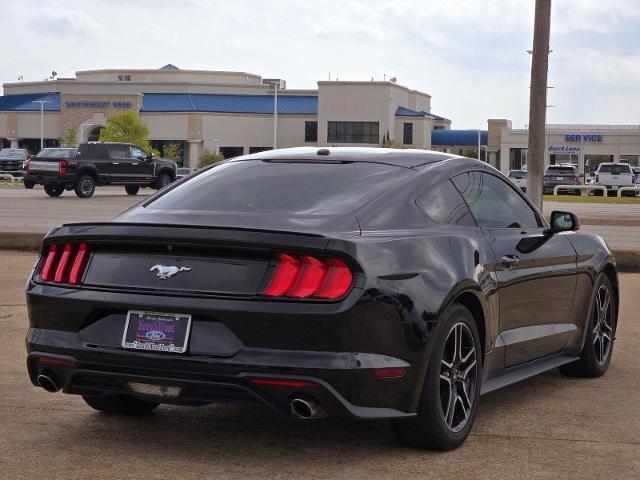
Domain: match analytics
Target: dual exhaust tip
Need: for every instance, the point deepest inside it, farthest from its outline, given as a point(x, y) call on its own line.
point(307, 409)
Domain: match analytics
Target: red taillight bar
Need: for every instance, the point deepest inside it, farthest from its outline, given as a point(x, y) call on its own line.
point(62, 167)
point(77, 269)
point(279, 382)
point(64, 263)
point(307, 276)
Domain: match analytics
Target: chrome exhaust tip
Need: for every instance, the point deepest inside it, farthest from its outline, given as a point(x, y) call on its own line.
point(48, 382)
point(307, 409)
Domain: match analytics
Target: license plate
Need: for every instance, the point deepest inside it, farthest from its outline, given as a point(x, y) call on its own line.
point(157, 332)
point(614, 187)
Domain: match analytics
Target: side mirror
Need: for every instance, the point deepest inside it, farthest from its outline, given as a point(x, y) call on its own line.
point(562, 222)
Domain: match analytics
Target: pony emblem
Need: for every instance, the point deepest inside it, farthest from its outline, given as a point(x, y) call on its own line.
point(165, 272)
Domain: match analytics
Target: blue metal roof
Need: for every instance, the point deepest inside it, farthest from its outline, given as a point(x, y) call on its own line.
point(27, 102)
point(465, 138)
point(169, 66)
point(407, 112)
point(203, 102)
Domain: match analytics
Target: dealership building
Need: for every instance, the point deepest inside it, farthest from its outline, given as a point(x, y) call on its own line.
point(234, 113)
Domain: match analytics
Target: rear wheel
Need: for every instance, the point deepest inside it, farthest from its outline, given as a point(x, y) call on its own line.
point(85, 186)
point(132, 189)
point(162, 181)
point(601, 329)
point(451, 391)
point(53, 190)
point(120, 404)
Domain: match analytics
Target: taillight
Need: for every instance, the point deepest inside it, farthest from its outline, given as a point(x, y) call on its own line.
point(65, 263)
point(633, 179)
point(62, 167)
point(597, 178)
point(309, 277)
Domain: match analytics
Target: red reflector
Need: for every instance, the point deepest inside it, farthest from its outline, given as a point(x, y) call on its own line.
point(47, 269)
point(283, 383)
point(56, 361)
point(309, 278)
point(337, 280)
point(390, 372)
point(284, 276)
point(62, 167)
point(77, 268)
point(61, 270)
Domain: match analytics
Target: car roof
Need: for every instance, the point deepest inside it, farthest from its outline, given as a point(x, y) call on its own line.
point(391, 156)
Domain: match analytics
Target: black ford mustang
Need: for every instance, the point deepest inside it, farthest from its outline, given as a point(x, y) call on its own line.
point(366, 283)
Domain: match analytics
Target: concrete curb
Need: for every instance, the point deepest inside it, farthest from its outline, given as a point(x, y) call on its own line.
point(29, 241)
point(628, 260)
point(614, 222)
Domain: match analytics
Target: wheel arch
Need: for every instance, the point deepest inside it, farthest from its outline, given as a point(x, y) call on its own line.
point(88, 170)
point(472, 303)
point(609, 270)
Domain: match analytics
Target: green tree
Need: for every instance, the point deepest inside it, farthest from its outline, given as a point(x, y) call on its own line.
point(172, 152)
point(69, 138)
point(126, 127)
point(209, 158)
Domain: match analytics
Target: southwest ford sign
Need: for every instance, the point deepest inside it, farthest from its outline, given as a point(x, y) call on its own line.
point(563, 149)
point(97, 104)
point(583, 137)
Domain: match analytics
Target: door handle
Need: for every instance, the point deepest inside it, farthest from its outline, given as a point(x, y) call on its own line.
point(134, 163)
point(509, 261)
point(115, 163)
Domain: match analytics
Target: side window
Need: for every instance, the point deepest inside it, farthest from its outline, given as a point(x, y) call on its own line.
point(445, 205)
point(118, 152)
point(137, 152)
point(494, 203)
point(98, 152)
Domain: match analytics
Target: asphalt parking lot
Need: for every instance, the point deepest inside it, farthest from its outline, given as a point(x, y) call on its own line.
point(24, 210)
point(546, 427)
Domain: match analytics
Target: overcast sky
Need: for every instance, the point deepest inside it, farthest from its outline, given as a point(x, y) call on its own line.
point(470, 55)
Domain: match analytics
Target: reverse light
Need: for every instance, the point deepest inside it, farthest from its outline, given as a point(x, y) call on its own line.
point(65, 263)
point(309, 277)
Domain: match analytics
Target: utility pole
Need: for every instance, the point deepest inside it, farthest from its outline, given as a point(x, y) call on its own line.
point(275, 115)
point(41, 102)
point(538, 101)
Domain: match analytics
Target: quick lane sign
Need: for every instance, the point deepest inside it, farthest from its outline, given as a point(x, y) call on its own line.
point(585, 137)
point(563, 149)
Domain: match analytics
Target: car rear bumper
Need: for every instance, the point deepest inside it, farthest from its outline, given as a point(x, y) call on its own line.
point(229, 344)
point(199, 383)
point(48, 178)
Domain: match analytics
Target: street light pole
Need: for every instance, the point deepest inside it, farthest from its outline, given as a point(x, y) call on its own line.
point(42, 102)
point(275, 115)
point(478, 144)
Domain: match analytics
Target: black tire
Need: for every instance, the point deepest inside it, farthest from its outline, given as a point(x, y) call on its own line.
point(85, 186)
point(430, 429)
point(597, 350)
point(29, 185)
point(132, 189)
point(120, 404)
point(53, 190)
point(163, 180)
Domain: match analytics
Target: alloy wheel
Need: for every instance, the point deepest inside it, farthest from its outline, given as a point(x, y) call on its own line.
point(458, 377)
point(86, 186)
point(603, 328)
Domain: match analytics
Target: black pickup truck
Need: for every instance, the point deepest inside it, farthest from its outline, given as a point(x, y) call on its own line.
point(92, 164)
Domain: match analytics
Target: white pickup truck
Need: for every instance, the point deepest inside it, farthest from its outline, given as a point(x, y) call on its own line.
point(615, 175)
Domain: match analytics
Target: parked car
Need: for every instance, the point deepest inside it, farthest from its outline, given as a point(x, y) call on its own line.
point(99, 164)
point(519, 177)
point(345, 282)
point(11, 160)
point(183, 172)
point(636, 172)
point(564, 174)
point(613, 176)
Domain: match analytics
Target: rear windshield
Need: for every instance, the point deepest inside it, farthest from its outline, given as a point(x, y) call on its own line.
point(57, 153)
point(517, 174)
point(13, 153)
point(614, 169)
point(303, 188)
point(561, 170)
